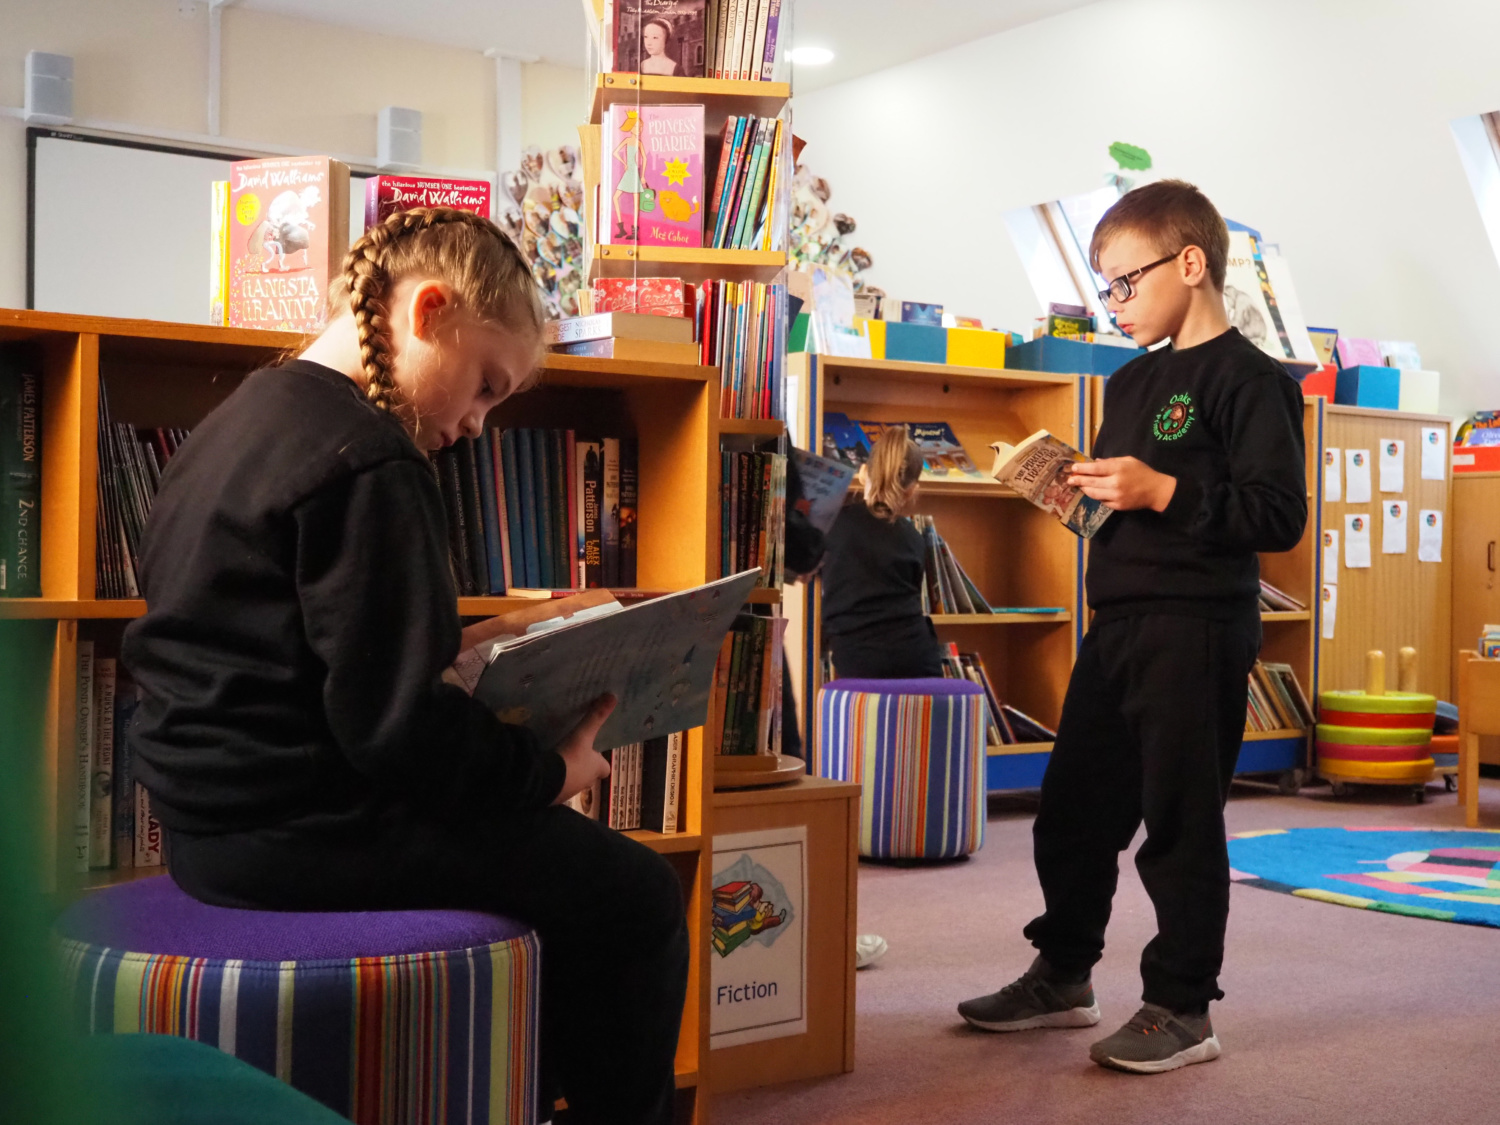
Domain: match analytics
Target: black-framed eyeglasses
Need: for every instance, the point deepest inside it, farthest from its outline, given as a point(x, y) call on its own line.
point(1121, 288)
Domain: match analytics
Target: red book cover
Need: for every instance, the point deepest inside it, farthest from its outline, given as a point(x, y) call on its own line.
point(385, 195)
point(288, 233)
point(654, 296)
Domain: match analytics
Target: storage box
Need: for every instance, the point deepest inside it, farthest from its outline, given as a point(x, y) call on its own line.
point(975, 347)
point(1419, 392)
point(1323, 381)
point(1476, 458)
point(1366, 385)
point(1069, 357)
point(916, 343)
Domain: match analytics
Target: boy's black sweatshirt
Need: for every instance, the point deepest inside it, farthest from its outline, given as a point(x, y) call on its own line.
point(300, 612)
point(1225, 419)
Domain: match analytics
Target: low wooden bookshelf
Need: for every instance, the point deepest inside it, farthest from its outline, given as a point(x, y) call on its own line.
point(172, 375)
point(1015, 553)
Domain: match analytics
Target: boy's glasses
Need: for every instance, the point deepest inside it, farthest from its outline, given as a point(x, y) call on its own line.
point(1121, 289)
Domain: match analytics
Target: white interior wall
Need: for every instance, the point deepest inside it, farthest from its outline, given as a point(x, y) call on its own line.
point(290, 82)
point(1325, 123)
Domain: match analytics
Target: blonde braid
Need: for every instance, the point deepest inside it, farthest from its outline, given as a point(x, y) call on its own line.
point(366, 278)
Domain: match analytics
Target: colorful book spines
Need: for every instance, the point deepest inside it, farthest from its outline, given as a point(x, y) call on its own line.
point(742, 331)
point(747, 694)
point(748, 185)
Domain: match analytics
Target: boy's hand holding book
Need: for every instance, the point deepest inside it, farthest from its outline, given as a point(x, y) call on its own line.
point(1124, 483)
point(585, 764)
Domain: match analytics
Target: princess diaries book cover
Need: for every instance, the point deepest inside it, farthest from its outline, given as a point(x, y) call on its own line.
point(654, 162)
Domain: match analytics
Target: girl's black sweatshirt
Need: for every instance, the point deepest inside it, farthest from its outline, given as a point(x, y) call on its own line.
point(300, 612)
point(1225, 419)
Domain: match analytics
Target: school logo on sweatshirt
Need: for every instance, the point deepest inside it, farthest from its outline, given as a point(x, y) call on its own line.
point(1174, 419)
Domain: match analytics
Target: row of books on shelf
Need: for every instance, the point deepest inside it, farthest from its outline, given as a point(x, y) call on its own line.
point(643, 789)
point(943, 455)
point(1004, 725)
point(20, 475)
point(946, 587)
point(752, 508)
point(113, 826)
point(725, 39)
point(654, 188)
point(1275, 600)
point(540, 509)
point(747, 686)
point(1276, 700)
point(131, 462)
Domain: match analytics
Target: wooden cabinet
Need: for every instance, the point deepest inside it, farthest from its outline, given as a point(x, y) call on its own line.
point(1476, 570)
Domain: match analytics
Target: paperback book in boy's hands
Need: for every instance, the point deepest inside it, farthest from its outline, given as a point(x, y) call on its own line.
point(1038, 469)
point(543, 666)
point(385, 195)
point(288, 231)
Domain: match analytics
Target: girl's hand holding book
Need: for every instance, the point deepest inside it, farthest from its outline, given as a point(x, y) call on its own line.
point(1124, 483)
point(585, 764)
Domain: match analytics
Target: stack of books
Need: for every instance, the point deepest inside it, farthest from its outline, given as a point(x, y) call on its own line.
point(747, 686)
point(748, 186)
point(644, 335)
point(752, 513)
point(739, 913)
point(20, 478)
point(725, 39)
point(1274, 600)
point(1004, 725)
point(741, 329)
point(643, 790)
point(1276, 700)
point(131, 461)
point(947, 588)
point(540, 509)
point(113, 826)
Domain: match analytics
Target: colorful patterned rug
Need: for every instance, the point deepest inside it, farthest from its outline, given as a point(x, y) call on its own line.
point(1449, 875)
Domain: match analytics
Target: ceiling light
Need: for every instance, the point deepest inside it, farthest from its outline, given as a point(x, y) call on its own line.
point(810, 56)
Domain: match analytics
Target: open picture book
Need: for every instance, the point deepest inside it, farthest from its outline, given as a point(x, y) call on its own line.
point(1038, 469)
point(541, 666)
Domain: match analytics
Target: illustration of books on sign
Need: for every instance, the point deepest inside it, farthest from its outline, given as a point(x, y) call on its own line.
point(742, 911)
point(1038, 469)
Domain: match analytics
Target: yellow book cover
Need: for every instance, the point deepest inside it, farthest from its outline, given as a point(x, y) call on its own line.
point(218, 265)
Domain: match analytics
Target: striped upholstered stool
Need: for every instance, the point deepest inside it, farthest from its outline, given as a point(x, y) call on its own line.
point(917, 747)
point(416, 1017)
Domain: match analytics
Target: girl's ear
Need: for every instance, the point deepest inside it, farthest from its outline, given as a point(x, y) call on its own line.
point(428, 301)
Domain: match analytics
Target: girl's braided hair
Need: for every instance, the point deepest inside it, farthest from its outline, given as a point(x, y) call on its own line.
point(489, 276)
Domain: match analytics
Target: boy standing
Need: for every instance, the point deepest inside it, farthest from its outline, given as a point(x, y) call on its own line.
point(1201, 454)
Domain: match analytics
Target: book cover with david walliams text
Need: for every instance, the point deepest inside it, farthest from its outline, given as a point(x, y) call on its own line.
point(653, 168)
point(385, 195)
point(288, 232)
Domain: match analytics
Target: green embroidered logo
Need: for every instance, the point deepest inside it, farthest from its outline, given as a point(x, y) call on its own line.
point(1174, 419)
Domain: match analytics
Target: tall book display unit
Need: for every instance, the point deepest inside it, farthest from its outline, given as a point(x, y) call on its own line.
point(1017, 555)
point(1288, 636)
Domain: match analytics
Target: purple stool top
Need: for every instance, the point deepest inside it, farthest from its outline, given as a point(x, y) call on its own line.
point(155, 916)
point(939, 686)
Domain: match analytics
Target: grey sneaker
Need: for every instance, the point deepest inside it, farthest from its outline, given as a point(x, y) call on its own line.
point(1033, 1001)
point(1156, 1040)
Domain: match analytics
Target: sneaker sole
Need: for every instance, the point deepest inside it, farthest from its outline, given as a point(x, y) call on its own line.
point(1073, 1017)
point(1203, 1052)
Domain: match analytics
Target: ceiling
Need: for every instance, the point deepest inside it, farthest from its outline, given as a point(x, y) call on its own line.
point(865, 35)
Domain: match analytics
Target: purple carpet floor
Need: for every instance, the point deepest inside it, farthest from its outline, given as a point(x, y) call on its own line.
point(1331, 1015)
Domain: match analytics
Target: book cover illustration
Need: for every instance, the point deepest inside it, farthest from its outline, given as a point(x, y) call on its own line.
point(288, 233)
point(943, 456)
point(386, 195)
point(660, 37)
point(844, 440)
point(655, 175)
point(825, 485)
point(921, 312)
point(1038, 469)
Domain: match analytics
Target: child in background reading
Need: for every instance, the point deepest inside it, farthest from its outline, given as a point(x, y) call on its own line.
point(1201, 456)
point(874, 622)
point(300, 745)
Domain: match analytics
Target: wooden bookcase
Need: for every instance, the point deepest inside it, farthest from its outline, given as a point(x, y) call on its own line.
point(172, 375)
point(1015, 553)
point(1475, 512)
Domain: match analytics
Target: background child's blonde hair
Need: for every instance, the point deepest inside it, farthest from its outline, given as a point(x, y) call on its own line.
point(895, 465)
point(489, 276)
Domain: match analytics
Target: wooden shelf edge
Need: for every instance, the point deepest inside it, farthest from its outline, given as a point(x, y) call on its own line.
point(765, 99)
point(555, 364)
point(32, 320)
point(806, 788)
point(690, 255)
point(64, 609)
point(1001, 618)
point(764, 595)
point(937, 372)
point(668, 844)
point(1269, 735)
point(1016, 748)
point(1285, 615)
point(764, 427)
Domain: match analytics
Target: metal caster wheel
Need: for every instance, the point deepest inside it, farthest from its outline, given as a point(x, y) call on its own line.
point(1338, 788)
point(1419, 795)
point(1450, 783)
point(1289, 783)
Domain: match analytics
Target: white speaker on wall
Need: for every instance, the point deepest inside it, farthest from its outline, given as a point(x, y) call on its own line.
point(49, 88)
point(398, 139)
